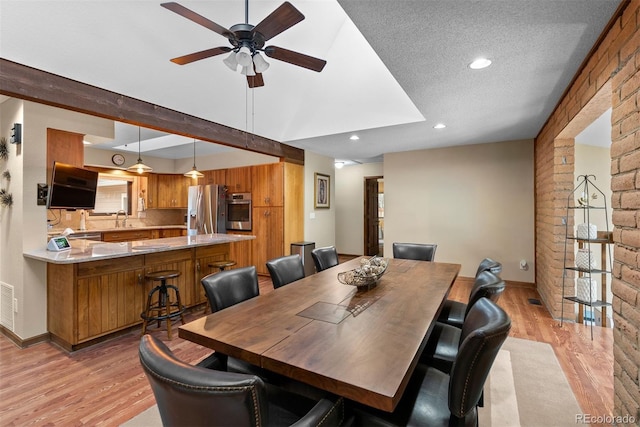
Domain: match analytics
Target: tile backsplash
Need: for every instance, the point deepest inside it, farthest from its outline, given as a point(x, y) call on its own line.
point(61, 219)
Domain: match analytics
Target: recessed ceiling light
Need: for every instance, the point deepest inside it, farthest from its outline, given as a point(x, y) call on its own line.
point(440, 126)
point(86, 142)
point(480, 63)
point(354, 137)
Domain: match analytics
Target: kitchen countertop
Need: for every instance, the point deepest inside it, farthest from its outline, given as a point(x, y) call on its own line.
point(89, 250)
point(58, 232)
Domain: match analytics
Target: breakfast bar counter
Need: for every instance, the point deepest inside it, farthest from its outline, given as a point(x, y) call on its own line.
point(96, 290)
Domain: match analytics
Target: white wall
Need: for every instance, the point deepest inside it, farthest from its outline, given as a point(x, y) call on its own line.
point(350, 206)
point(474, 201)
point(230, 159)
point(320, 229)
point(23, 226)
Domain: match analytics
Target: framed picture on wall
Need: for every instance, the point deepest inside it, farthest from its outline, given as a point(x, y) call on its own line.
point(321, 188)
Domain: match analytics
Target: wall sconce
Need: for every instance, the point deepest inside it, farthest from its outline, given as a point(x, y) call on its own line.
point(16, 134)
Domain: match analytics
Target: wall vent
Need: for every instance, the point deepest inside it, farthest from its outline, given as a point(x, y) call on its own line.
point(6, 306)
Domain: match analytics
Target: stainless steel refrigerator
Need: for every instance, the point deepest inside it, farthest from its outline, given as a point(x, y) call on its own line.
point(206, 209)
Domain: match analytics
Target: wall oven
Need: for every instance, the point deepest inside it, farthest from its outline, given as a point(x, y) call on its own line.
point(239, 211)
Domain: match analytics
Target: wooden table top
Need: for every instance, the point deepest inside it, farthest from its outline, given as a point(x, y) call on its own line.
point(363, 345)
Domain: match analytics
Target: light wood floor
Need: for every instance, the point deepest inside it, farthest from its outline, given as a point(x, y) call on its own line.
point(104, 385)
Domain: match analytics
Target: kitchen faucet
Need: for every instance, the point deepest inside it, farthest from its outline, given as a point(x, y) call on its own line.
point(124, 221)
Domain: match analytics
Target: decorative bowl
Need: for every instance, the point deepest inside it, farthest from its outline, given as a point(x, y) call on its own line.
point(367, 275)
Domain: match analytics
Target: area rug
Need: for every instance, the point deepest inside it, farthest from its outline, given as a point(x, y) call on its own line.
point(526, 388)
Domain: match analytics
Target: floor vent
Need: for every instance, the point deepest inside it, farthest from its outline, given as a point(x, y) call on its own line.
point(6, 306)
point(534, 301)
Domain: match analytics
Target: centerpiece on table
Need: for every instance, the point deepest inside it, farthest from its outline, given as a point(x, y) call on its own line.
point(367, 275)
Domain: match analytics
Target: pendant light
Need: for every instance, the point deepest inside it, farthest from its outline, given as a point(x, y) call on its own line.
point(139, 166)
point(193, 173)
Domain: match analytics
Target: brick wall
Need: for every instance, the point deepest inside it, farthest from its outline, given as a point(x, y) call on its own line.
point(613, 68)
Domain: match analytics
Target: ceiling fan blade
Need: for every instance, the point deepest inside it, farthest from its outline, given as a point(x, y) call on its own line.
point(295, 58)
point(198, 19)
point(186, 59)
point(255, 81)
point(285, 16)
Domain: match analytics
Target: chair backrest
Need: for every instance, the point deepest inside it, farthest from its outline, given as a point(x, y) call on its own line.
point(285, 270)
point(486, 285)
point(488, 264)
point(416, 251)
point(230, 287)
point(324, 258)
point(487, 328)
point(193, 396)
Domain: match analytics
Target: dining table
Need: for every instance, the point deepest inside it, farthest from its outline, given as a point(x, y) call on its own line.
point(361, 343)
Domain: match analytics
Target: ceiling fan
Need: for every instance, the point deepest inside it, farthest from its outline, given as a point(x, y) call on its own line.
point(247, 41)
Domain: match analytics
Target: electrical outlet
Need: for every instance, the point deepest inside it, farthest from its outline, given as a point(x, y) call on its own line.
point(15, 305)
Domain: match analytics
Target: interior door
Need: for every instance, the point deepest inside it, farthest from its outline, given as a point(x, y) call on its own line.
point(371, 242)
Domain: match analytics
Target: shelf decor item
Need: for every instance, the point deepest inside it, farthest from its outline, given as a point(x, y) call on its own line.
point(367, 275)
point(585, 260)
point(587, 289)
point(587, 231)
point(592, 204)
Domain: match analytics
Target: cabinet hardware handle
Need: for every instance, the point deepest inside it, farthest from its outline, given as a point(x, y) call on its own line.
point(139, 279)
point(197, 266)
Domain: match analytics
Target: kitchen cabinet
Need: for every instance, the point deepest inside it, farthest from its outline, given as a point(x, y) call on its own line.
point(217, 176)
point(239, 180)
point(173, 191)
point(203, 257)
point(65, 147)
point(278, 199)
point(242, 252)
point(180, 260)
point(89, 300)
point(268, 227)
point(126, 235)
point(152, 191)
point(267, 183)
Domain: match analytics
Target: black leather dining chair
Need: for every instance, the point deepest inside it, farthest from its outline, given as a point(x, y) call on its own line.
point(224, 289)
point(415, 251)
point(324, 258)
point(190, 395)
point(444, 342)
point(285, 269)
point(437, 399)
point(454, 312)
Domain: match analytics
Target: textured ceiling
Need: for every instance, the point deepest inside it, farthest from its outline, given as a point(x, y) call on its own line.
point(395, 68)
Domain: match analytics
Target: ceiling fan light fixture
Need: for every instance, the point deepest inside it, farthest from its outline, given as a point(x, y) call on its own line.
point(248, 71)
point(231, 61)
point(260, 63)
point(139, 167)
point(244, 56)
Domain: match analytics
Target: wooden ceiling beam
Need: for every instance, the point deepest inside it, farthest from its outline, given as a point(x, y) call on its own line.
point(21, 81)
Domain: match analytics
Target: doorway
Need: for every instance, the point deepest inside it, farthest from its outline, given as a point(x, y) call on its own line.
point(374, 216)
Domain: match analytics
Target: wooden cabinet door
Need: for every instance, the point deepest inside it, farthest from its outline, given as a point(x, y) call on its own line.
point(126, 235)
point(152, 190)
point(267, 184)
point(239, 180)
point(109, 302)
point(204, 256)
point(64, 147)
point(217, 176)
point(242, 252)
point(268, 226)
point(172, 191)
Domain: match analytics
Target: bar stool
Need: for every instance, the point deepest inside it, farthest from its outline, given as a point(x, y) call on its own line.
point(221, 265)
point(154, 311)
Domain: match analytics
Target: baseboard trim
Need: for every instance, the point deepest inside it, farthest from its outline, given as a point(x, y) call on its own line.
point(24, 343)
point(510, 283)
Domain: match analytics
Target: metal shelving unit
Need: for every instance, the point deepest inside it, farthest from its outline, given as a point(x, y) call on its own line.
point(604, 239)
